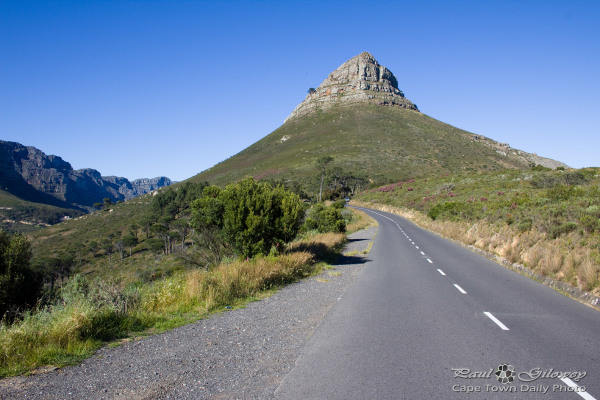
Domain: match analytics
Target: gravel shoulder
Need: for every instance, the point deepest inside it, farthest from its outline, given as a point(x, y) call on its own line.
point(239, 354)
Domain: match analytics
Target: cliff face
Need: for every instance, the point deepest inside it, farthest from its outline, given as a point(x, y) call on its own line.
point(360, 79)
point(29, 173)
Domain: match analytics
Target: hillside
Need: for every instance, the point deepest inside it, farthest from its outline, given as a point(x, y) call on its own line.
point(360, 118)
point(548, 221)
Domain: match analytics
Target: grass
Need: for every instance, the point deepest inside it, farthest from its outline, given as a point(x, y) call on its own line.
point(385, 143)
point(548, 221)
point(361, 220)
point(90, 315)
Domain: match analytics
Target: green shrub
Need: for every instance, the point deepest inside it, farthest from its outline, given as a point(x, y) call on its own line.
point(20, 284)
point(450, 210)
point(250, 216)
point(559, 229)
point(525, 225)
point(325, 219)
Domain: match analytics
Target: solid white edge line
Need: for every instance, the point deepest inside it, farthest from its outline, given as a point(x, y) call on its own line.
point(441, 272)
point(430, 262)
point(460, 289)
point(496, 320)
point(585, 395)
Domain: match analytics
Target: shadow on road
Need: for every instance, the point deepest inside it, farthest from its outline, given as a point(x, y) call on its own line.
point(348, 260)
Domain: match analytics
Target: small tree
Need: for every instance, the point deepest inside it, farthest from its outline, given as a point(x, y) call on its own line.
point(20, 284)
point(108, 247)
point(322, 163)
point(250, 216)
point(130, 241)
point(107, 203)
point(311, 90)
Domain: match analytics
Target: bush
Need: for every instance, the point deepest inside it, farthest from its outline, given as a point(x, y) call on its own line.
point(560, 229)
point(525, 225)
point(450, 210)
point(325, 219)
point(20, 284)
point(250, 216)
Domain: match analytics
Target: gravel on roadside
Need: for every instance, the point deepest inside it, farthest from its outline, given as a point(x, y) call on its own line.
point(239, 354)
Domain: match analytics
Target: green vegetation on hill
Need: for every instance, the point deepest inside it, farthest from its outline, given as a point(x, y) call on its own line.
point(381, 144)
point(546, 220)
point(17, 215)
point(94, 297)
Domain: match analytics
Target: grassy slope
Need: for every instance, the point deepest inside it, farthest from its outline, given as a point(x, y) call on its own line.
point(386, 143)
point(74, 235)
point(534, 218)
point(35, 215)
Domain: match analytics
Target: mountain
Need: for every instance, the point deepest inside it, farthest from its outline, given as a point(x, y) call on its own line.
point(360, 117)
point(30, 175)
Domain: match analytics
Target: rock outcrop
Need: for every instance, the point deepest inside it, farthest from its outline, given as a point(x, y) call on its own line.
point(32, 175)
point(360, 79)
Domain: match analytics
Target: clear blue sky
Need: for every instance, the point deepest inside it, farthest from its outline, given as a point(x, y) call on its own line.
point(149, 88)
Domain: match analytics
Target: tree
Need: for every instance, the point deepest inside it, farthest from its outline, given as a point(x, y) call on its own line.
point(108, 247)
point(107, 203)
point(182, 226)
point(120, 246)
point(130, 241)
point(311, 90)
point(249, 216)
point(322, 163)
point(20, 284)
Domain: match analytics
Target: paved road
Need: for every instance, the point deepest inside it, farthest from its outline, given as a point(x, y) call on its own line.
point(424, 312)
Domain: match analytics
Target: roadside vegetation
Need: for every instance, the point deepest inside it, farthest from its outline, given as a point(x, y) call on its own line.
point(242, 242)
point(548, 221)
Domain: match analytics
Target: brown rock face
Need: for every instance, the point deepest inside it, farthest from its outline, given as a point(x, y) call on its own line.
point(360, 79)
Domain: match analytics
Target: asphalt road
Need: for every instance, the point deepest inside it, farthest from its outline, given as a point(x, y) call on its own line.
point(428, 319)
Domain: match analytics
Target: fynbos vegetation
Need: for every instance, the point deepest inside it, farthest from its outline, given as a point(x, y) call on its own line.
point(546, 220)
point(199, 249)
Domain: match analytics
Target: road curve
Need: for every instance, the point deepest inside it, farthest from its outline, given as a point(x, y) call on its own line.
point(428, 319)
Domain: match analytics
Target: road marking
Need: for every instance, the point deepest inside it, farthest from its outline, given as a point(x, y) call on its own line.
point(441, 272)
point(430, 262)
point(460, 289)
point(578, 389)
point(422, 253)
point(417, 247)
point(496, 320)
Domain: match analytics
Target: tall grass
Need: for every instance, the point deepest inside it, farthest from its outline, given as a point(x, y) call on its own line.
point(91, 314)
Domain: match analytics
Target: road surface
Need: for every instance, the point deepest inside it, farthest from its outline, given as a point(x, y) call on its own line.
point(428, 319)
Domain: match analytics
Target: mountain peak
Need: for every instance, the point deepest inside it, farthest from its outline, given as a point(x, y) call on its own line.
point(360, 79)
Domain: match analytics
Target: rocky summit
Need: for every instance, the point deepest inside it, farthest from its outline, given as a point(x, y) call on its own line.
point(360, 79)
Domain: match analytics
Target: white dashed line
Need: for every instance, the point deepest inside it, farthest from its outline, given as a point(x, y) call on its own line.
point(441, 272)
point(422, 253)
point(460, 289)
point(496, 320)
point(417, 247)
point(430, 262)
point(578, 389)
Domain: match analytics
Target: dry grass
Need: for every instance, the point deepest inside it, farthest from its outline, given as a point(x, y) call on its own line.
point(363, 221)
point(68, 332)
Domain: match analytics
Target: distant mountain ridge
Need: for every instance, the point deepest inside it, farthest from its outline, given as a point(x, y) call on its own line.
point(30, 174)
